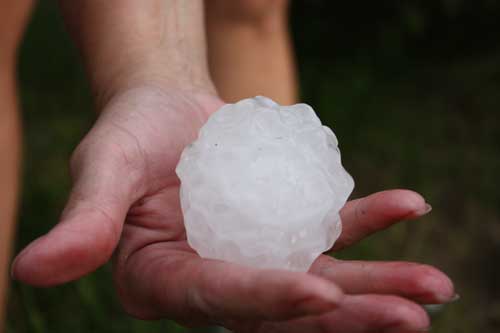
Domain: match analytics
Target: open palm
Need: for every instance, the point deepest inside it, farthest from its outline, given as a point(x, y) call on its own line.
point(125, 201)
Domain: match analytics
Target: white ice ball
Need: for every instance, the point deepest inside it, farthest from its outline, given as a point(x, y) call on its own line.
point(263, 185)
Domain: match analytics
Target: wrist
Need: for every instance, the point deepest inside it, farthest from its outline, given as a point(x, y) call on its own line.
point(153, 72)
point(128, 43)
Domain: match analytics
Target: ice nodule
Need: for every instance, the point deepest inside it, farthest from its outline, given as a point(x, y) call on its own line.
point(263, 185)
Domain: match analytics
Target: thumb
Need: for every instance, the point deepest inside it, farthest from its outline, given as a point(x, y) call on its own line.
point(89, 228)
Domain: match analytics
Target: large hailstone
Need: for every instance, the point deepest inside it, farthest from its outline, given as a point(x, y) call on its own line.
point(263, 185)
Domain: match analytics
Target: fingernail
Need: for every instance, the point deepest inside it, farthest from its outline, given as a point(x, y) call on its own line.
point(447, 300)
point(424, 211)
point(433, 309)
point(13, 265)
point(21, 255)
point(455, 298)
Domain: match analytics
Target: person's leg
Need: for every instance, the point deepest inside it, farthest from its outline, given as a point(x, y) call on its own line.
point(249, 49)
point(13, 14)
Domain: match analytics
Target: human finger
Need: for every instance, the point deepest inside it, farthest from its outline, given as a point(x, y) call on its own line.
point(421, 283)
point(365, 216)
point(90, 226)
point(357, 314)
point(167, 280)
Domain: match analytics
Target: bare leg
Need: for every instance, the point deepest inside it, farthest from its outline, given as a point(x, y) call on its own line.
point(13, 14)
point(250, 51)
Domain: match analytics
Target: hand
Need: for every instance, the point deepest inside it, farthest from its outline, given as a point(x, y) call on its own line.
point(125, 201)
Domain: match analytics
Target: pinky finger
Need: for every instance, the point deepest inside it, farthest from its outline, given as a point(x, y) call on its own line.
point(357, 314)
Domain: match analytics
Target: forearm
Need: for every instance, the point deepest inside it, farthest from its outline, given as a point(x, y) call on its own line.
point(249, 43)
point(126, 42)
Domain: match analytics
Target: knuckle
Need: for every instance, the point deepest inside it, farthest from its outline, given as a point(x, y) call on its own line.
point(77, 157)
point(115, 151)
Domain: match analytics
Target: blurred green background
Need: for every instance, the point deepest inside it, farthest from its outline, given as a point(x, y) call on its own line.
point(412, 89)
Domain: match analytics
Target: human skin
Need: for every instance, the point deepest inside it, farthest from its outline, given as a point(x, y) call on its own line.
point(249, 43)
point(146, 62)
point(13, 15)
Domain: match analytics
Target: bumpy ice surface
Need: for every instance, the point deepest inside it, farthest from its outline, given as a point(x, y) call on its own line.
point(263, 185)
